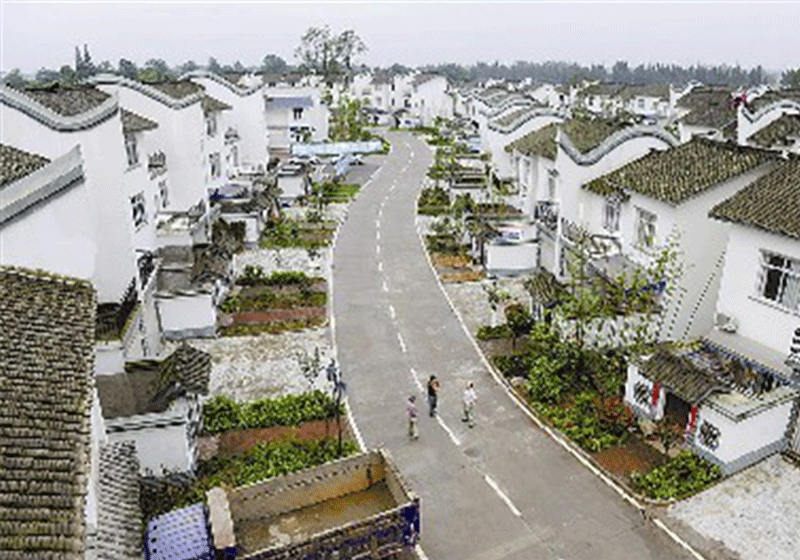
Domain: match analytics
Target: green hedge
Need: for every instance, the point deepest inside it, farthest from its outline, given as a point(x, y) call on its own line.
point(683, 475)
point(222, 413)
point(265, 460)
point(487, 332)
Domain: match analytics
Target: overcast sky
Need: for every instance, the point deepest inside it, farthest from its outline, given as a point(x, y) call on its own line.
point(39, 34)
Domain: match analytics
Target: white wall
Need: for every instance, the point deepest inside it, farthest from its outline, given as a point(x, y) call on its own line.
point(739, 294)
point(737, 439)
point(497, 140)
point(654, 412)
point(430, 100)
point(512, 257)
point(103, 204)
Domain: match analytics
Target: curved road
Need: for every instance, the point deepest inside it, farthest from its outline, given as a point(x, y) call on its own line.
point(502, 490)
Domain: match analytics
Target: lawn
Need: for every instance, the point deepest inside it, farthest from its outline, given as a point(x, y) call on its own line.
point(297, 233)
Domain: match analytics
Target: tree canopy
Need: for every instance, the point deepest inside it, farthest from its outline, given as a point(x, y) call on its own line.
point(326, 54)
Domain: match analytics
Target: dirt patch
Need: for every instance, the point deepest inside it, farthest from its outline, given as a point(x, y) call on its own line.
point(275, 315)
point(237, 442)
point(460, 276)
point(635, 455)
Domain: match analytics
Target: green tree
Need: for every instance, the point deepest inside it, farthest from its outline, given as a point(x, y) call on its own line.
point(347, 121)
point(188, 66)
point(213, 65)
point(14, 78)
point(128, 69)
point(67, 75)
point(791, 78)
point(519, 320)
point(324, 54)
point(273, 64)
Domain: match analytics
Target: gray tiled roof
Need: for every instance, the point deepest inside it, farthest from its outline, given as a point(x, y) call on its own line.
point(679, 173)
point(131, 122)
point(420, 79)
point(585, 134)
point(47, 344)
point(602, 89)
point(540, 142)
point(178, 89)
point(16, 164)
point(211, 104)
point(773, 96)
point(777, 133)
point(681, 376)
point(708, 106)
point(119, 517)
point(661, 91)
point(771, 202)
point(149, 386)
point(67, 101)
point(509, 118)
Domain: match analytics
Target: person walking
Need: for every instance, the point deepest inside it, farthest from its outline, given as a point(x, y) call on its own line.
point(469, 400)
point(433, 395)
point(411, 411)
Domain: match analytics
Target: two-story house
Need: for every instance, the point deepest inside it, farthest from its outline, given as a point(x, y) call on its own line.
point(737, 389)
point(666, 195)
point(771, 120)
point(706, 111)
point(294, 115)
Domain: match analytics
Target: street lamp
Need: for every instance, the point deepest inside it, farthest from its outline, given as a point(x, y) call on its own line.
point(335, 377)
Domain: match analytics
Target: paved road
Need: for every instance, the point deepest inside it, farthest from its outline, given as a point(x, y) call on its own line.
point(502, 490)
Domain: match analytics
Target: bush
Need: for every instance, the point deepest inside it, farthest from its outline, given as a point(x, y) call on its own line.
point(544, 383)
point(222, 413)
point(487, 332)
point(682, 476)
point(579, 422)
point(516, 365)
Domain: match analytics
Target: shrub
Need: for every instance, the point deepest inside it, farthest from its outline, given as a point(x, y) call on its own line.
point(680, 477)
point(222, 413)
point(488, 332)
point(578, 421)
point(544, 383)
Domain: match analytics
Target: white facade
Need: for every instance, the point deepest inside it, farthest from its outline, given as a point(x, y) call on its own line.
point(294, 114)
point(430, 99)
point(497, 137)
point(748, 123)
point(187, 315)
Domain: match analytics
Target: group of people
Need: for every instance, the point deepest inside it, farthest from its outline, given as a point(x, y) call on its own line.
point(468, 400)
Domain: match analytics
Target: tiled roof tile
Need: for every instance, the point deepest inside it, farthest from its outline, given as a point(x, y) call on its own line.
point(178, 89)
point(771, 202)
point(67, 101)
point(119, 532)
point(708, 106)
point(16, 164)
point(131, 122)
point(211, 104)
point(679, 173)
point(47, 344)
point(777, 133)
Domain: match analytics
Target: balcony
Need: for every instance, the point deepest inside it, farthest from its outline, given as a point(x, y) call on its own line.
point(146, 265)
point(113, 318)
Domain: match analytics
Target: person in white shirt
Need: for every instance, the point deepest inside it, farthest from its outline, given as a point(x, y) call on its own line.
point(469, 400)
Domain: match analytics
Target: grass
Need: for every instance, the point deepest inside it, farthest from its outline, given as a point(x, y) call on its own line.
point(289, 233)
point(273, 328)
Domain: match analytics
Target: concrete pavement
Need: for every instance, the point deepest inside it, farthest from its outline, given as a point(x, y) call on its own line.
point(502, 490)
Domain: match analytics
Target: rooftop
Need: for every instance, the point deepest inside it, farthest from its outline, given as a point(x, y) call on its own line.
point(149, 386)
point(771, 202)
point(680, 173)
point(67, 101)
point(16, 164)
point(540, 142)
point(708, 106)
point(178, 89)
point(210, 104)
point(661, 91)
point(773, 96)
point(47, 342)
point(778, 133)
point(601, 89)
point(119, 524)
point(132, 122)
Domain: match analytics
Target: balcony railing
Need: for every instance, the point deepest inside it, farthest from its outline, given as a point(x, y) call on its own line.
point(146, 264)
point(113, 317)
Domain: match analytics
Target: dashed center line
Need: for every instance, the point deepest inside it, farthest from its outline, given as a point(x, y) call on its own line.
point(380, 266)
point(402, 342)
point(378, 249)
point(377, 235)
point(502, 495)
point(453, 438)
point(391, 311)
point(377, 223)
point(385, 287)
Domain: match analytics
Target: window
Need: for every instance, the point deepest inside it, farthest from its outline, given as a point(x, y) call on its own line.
point(235, 156)
point(645, 228)
point(640, 101)
point(211, 125)
point(552, 176)
point(216, 167)
point(611, 215)
point(298, 113)
point(163, 193)
point(138, 209)
point(130, 149)
point(780, 280)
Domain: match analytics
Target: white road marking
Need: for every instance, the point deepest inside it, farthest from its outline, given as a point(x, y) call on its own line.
point(503, 497)
point(380, 266)
point(415, 377)
point(377, 223)
point(450, 433)
point(402, 342)
point(391, 188)
point(385, 287)
point(391, 311)
point(378, 249)
point(420, 554)
point(377, 235)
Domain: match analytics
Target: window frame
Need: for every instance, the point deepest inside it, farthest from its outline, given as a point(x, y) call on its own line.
point(652, 220)
point(611, 219)
point(131, 149)
point(211, 125)
point(139, 210)
point(789, 269)
point(213, 159)
point(297, 113)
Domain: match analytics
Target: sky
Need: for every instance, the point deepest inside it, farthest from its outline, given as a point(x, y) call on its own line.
point(44, 34)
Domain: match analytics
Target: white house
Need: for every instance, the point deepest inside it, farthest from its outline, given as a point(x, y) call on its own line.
point(771, 121)
point(668, 193)
point(157, 405)
point(648, 100)
point(430, 98)
point(602, 99)
point(706, 111)
point(245, 133)
point(737, 390)
point(294, 115)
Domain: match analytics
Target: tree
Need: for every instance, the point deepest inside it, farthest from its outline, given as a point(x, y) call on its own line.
point(213, 65)
point(188, 66)
point(67, 75)
point(88, 65)
point(519, 320)
point(14, 78)
point(128, 69)
point(328, 55)
point(273, 64)
point(155, 70)
point(347, 122)
point(46, 76)
point(496, 297)
point(791, 78)
point(79, 66)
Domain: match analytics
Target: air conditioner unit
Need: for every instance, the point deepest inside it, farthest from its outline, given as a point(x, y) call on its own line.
point(726, 323)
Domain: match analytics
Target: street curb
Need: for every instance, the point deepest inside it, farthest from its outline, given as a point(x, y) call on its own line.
point(555, 436)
